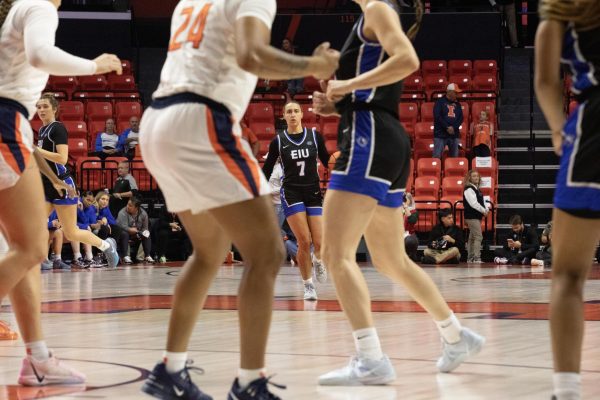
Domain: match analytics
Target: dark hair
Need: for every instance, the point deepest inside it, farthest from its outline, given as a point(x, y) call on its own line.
point(87, 193)
point(5, 6)
point(136, 202)
point(52, 100)
point(515, 220)
point(419, 11)
point(444, 212)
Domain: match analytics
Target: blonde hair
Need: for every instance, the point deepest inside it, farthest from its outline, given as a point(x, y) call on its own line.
point(585, 14)
point(99, 196)
point(5, 6)
point(468, 181)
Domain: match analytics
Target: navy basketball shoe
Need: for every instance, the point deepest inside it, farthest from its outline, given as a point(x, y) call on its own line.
point(256, 390)
point(178, 386)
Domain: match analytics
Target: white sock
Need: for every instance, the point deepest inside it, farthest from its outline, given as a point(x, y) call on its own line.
point(38, 350)
point(174, 362)
point(56, 256)
point(567, 385)
point(89, 255)
point(76, 256)
point(367, 343)
point(307, 281)
point(104, 245)
point(246, 376)
point(450, 329)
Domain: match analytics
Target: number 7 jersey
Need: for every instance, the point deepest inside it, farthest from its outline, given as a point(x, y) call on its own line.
point(201, 57)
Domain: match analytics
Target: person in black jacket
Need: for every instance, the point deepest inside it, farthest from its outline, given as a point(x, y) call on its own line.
point(520, 245)
point(170, 232)
point(445, 241)
point(447, 117)
point(475, 210)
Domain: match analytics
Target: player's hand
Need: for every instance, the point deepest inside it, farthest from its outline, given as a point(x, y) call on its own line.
point(557, 140)
point(450, 130)
point(336, 90)
point(106, 63)
point(61, 187)
point(326, 61)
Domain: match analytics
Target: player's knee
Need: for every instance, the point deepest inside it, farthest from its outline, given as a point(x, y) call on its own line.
point(568, 280)
point(32, 250)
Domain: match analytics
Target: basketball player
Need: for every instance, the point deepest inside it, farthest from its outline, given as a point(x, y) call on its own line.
point(190, 141)
point(570, 32)
point(27, 56)
point(53, 146)
point(298, 149)
point(367, 188)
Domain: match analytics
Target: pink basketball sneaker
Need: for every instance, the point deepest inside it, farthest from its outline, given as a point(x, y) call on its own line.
point(49, 372)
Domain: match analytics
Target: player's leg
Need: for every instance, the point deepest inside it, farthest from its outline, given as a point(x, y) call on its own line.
point(315, 222)
point(299, 225)
point(573, 245)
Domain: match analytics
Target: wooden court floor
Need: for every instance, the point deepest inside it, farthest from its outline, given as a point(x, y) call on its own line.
point(112, 324)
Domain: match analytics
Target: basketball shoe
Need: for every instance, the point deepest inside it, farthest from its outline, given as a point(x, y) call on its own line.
point(178, 386)
point(111, 253)
point(310, 292)
point(256, 390)
point(320, 271)
point(49, 372)
point(361, 371)
point(454, 354)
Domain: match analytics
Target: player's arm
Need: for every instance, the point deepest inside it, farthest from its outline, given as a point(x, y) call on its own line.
point(255, 54)
point(322, 150)
point(381, 23)
point(548, 86)
point(272, 157)
point(61, 156)
point(48, 173)
point(39, 30)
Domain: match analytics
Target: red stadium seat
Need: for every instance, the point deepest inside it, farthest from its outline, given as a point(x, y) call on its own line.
point(260, 112)
point(409, 114)
point(331, 146)
point(456, 166)
point(308, 115)
point(122, 125)
point(36, 124)
point(410, 182)
point(463, 81)
point(127, 109)
point(478, 106)
point(413, 83)
point(78, 148)
point(485, 82)
point(453, 186)
point(429, 167)
point(423, 148)
point(141, 174)
point(485, 67)
point(435, 83)
point(463, 67)
point(427, 111)
point(66, 84)
point(126, 96)
point(99, 110)
point(263, 130)
point(76, 129)
point(466, 112)
point(427, 186)
point(330, 130)
point(414, 97)
point(427, 207)
point(92, 82)
point(424, 130)
point(121, 82)
point(91, 174)
point(434, 67)
point(71, 111)
point(486, 166)
point(126, 67)
point(311, 84)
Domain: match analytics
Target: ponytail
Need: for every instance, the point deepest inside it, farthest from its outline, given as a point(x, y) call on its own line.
point(419, 11)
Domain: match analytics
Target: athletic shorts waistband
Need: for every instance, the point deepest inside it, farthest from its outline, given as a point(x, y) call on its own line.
point(15, 105)
point(188, 97)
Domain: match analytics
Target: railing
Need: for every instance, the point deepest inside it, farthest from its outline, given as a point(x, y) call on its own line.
point(97, 175)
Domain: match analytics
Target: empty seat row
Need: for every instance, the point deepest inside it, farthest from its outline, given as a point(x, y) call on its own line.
point(458, 67)
point(456, 167)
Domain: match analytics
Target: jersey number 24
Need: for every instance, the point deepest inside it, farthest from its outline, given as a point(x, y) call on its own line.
point(195, 31)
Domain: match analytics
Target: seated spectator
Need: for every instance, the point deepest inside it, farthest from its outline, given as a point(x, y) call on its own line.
point(447, 117)
point(56, 239)
point(445, 241)
point(128, 140)
point(251, 138)
point(520, 246)
point(294, 86)
point(411, 216)
point(482, 132)
point(170, 233)
point(543, 258)
point(125, 187)
point(107, 141)
point(134, 220)
point(105, 224)
point(83, 222)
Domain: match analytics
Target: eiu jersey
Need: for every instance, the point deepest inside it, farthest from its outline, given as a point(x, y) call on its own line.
point(581, 53)
point(297, 154)
point(360, 55)
point(51, 136)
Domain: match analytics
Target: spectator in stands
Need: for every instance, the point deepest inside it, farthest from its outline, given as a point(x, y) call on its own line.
point(170, 233)
point(134, 220)
point(411, 216)
point(250, 138)
point(507, 8)
point(107, 141)
point(482, 132)
point(543, 258)
point(475, 210)
point(128, 140)
point(125, 187)
point(294, 86)
point(448, 117)
point(520, 245)
point(107, 225)
point(445, 241)
point(83, 222)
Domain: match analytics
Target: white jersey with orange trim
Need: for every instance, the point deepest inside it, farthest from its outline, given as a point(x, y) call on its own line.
point(201, 57)
point(28, 54)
